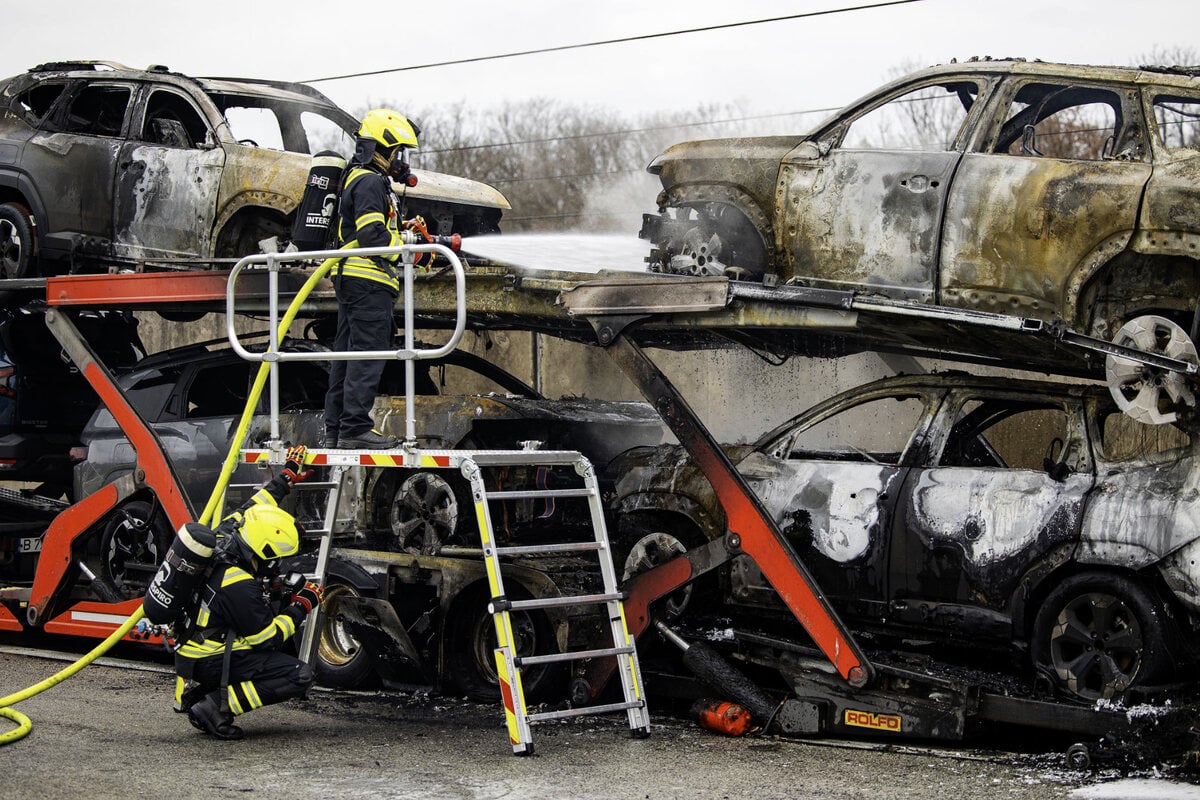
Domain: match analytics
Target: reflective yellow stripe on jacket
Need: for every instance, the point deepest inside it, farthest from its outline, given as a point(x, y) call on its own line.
point(283, 623)
point(367, 268)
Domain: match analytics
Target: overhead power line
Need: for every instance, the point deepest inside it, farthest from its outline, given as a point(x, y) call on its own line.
point(622, 40)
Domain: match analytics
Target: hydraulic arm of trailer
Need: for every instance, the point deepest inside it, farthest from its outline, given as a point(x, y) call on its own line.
point(751, 532)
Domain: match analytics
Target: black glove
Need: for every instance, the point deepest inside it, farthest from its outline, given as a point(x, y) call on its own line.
point(294, 470)
point(309, 596)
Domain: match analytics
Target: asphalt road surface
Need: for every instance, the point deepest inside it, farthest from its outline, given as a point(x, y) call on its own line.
point(109, 732)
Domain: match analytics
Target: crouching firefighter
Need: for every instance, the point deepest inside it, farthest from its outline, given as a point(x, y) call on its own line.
point(229, 662)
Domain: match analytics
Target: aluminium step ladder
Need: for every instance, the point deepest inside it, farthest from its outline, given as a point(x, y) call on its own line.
point(469, 463)
point(509, 664)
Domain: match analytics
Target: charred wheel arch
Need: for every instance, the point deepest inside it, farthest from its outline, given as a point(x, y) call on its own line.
point(710, 231)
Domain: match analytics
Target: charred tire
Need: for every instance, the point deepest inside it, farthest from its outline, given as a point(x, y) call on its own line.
point(17, 242)
point(339, 662)
point(646, 541)
point(1100, 634)
point(134, 543)
point(470, 643)
point(710, 238)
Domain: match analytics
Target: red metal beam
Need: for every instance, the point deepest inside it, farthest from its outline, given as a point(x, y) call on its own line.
point(94, 619)
point(8, 622)
point(152, 471)
point(752, 531)
point(136, 288)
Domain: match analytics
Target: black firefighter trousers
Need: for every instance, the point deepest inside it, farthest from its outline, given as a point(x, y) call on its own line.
point(257, 678)
point(365, 322)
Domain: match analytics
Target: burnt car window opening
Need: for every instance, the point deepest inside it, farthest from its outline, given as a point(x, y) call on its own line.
point(97, 110)
point(878, 431)
point(1178, 121)
point(1055, 121)
point(323, 133)
point(280, 125)
point(219, 390)
point(35, 103)
point(1016, 436)
point(1123, 438)
point(150, 395)
point(928, 118)
point(172, 121)
point(256, 126)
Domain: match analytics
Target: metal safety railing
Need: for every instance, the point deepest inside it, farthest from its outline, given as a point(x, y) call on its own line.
point(408, 353)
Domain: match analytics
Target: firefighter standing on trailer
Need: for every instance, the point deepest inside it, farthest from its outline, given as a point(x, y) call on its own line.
point(367, 288)
point(230, 662)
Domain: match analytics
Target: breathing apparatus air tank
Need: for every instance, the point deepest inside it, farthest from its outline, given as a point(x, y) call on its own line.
point(315, 216)
point(187, 561)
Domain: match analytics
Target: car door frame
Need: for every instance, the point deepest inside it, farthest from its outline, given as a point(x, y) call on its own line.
point(1022, 232)
point(86, 164)
point(940, 520)
point(890, 243)
point(165, 196)
point(852, 572)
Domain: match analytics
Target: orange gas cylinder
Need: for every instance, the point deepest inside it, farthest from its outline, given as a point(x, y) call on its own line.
point(721, 716)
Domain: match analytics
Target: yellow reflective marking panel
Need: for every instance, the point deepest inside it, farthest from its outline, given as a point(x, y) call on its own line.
point(889, 723)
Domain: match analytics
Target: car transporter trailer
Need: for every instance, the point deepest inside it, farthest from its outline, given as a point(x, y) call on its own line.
point(835, 687)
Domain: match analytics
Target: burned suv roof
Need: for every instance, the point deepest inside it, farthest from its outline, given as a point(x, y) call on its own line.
point(102, 165)
point(1055, 192)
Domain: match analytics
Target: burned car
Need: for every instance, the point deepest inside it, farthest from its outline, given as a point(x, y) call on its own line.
point(1030, 518)
point(192, 397)
point(418, 523)
point(1050, 191)
point(102, 165)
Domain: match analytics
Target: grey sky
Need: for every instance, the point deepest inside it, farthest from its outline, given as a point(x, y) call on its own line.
point(799, 64)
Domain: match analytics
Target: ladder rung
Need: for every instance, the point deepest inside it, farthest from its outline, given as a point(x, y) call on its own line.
point(560, 602)
point(585, 711)
point(537, 549)
point(574, 655)
point(517, 458)
point(537, 494)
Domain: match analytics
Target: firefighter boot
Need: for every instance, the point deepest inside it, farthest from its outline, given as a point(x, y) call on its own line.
point(208, 717)
point(371, 440)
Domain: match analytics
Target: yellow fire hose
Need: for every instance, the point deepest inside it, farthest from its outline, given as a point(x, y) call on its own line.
point(24, 724)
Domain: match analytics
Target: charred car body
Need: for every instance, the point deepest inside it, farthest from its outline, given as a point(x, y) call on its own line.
point(104, 165)
point(1032, 517)
point(407, 538)
point(1034, 189)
